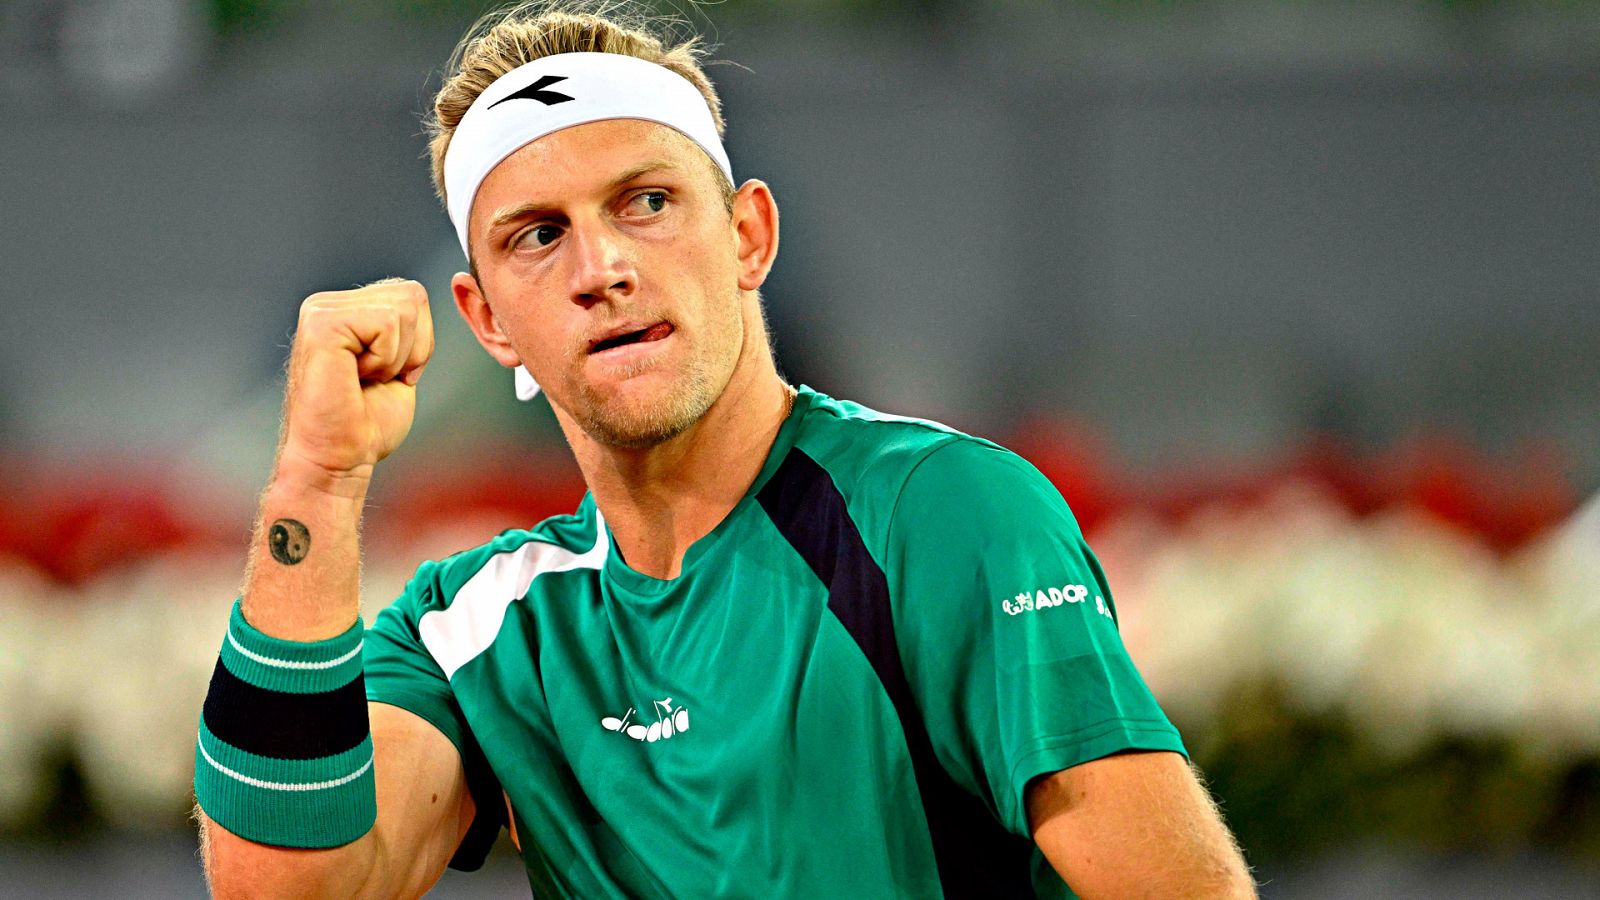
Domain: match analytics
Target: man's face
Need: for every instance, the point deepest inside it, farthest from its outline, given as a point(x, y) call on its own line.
point(609, 260)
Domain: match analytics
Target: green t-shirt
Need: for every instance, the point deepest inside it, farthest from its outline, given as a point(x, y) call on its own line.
point(844, 693)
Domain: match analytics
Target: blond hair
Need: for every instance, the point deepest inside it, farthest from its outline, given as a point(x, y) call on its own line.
point(520, 34)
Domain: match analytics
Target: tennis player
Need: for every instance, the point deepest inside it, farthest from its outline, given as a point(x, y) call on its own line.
point(785, 646)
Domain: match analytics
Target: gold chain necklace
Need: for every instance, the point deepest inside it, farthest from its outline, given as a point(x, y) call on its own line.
point(789, 393)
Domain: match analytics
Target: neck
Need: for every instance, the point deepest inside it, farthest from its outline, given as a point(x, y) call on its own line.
point(658, 500)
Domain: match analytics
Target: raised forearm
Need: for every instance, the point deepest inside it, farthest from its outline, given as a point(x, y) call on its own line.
point(289, 773)
point(302, 584)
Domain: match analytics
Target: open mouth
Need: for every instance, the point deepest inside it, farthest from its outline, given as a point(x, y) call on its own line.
point(640, 336)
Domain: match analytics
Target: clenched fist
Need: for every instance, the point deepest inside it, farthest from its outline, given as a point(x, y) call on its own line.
point(353, 373)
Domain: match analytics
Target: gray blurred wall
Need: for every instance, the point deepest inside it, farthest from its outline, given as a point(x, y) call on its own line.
point(1207, 228)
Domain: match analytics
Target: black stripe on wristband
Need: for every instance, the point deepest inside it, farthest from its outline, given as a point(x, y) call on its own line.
point(284, 725)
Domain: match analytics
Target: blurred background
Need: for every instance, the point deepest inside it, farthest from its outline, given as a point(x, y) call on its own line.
point(1295, 302)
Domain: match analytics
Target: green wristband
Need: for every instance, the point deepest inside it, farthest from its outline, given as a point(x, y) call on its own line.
point(284, 755)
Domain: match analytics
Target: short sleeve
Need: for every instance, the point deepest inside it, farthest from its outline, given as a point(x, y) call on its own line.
point(401, 672)
point(1007, 629)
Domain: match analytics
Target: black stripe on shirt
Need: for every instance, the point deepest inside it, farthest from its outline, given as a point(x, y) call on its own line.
point(284, 725)
point(977, 857)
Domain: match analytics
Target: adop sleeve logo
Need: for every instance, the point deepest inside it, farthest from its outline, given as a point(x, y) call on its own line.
point(1046, 598)
point(536, 91)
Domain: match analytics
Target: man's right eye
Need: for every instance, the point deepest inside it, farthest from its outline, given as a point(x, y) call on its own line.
point(543, 235)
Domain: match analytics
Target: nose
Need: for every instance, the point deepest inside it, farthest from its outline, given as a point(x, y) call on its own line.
point(601, 265)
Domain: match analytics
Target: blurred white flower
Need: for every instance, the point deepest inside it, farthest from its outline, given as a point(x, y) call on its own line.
point(153, 635)
point(33, 613)
point(1413, 628)
point(1561, 575)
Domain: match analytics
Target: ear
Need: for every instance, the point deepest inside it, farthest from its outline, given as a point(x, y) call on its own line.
point(755, 221)
point(474, 308)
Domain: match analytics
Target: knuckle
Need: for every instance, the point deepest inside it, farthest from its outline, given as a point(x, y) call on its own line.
point(313, 303)
point(315, 317)
point(398, 288)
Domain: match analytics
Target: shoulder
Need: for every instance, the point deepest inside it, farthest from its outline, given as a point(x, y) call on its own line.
point(890, 467)
point(975, 497)
point(859, 445)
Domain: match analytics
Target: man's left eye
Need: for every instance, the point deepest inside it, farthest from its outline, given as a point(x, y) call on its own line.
point(653, 201)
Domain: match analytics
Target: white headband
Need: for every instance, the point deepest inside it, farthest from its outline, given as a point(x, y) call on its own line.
point(558, 92)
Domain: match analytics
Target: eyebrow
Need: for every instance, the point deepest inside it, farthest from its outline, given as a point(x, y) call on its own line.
point(522, 210)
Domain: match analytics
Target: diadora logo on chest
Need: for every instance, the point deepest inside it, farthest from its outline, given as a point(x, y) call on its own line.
point(668, 722)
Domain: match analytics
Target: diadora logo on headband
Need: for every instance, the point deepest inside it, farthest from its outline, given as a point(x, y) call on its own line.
point(536, 91)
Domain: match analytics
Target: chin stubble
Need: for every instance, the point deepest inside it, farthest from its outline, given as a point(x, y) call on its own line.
point(639, 430)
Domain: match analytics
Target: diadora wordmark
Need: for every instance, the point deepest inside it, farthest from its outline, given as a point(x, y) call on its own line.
point(668, 722)
point(1045, 598)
